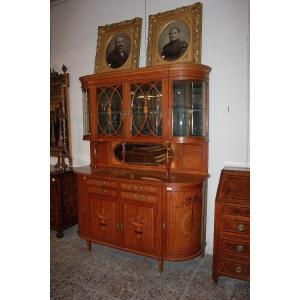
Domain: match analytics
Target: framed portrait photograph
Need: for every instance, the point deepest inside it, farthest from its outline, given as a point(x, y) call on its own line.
point(175, 36)
point(118, 46)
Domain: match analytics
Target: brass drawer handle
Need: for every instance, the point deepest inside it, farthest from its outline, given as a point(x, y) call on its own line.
point(238, 269)
point(241, 227)
point(239, 248)
point(101, 190)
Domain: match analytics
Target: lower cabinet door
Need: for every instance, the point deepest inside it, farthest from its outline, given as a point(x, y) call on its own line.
point(183, 223)
point(139, 227)
point(103, 219)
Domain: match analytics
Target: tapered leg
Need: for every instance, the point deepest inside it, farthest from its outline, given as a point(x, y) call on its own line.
point(59, 234)
point(89, 245)
point(160, 264)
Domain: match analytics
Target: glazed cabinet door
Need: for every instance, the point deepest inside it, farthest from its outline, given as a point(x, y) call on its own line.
point(139, 227)
point(189, 109)
point(183, 222)
point(103, 217)
point(109, 110)
point(147, 110)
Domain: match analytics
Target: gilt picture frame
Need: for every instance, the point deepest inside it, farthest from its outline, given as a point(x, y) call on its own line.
point(118, 46)
point(175, 36)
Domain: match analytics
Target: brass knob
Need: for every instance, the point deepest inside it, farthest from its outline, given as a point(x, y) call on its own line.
point(241, 227)
point(238, 269)
point(53, 179)
point(84, 178)
point(239, 248)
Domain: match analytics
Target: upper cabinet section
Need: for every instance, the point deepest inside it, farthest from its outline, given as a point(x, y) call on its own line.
point(160, 103)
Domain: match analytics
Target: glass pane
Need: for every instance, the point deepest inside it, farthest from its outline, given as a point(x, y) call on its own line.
point(189, 109)
point(86, 112)
point(109, 101)
point(146, 109)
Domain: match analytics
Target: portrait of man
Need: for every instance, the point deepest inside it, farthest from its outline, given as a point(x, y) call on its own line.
point(173, 41)
point(117, 51)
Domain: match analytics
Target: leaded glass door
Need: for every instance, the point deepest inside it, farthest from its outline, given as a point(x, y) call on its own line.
point(146, 109)
point(109, 108)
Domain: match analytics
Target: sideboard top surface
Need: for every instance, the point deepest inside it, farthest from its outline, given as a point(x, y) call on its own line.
point(146, 176)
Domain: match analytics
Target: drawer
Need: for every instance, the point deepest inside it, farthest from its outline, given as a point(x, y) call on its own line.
point(235, 247)
point(101, 191)
point(138, 197)
point(238, 269)
point(102, 183)
point(236, 210)
point(150, 189)
point(236, 226)
point(235, 187)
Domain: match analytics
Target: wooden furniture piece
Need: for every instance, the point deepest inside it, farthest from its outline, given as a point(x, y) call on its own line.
point(145, 189)
point(60, 130)
point(232, 225)
point(63, 200)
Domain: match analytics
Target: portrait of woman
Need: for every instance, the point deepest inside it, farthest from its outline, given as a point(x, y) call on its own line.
point(173, 40)
point(118, 50)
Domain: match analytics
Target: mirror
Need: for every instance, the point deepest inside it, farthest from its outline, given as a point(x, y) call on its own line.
point(60, 135)
point(144, 154)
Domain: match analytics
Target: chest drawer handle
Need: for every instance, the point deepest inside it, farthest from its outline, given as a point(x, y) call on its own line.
point(53, 179)
point(241, 227)
point(239, 248)
point(238, 269)
point(101, 190)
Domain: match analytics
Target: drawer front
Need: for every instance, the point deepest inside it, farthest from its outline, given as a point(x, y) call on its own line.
point(141, 188)
point(102, 183)
point(138, 197)
point(241, 248)
point(101, 191)
point(236, 210)
point(236, 226)
point(237, 269)
point(234, 186)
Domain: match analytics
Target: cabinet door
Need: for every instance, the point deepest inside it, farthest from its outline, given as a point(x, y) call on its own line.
point(103, 219)
point(183, 222)
point(189, 109)
point(146, 109)
point(109, 103)
point(139, 227)
point(54, 204)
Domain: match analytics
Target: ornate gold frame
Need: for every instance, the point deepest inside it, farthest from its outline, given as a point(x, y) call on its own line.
point(132, 28)
point(191, 16)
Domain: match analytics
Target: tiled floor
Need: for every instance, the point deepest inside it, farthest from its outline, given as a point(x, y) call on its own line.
point(106, 273)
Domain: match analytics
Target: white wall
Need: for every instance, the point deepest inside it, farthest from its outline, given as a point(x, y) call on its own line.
point(225, 47)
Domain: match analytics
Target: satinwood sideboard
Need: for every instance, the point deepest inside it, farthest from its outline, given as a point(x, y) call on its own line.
point(145, 188)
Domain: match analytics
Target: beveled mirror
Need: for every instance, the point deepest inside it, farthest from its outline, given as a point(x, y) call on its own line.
point(143, 154)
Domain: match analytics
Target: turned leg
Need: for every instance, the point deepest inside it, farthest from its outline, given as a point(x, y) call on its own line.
point(160, 264)
point(89, 245)
point(59, 234)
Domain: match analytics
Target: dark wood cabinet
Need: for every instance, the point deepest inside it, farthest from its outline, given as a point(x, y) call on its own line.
point(145, 189)
point(63, 200)
point(232, 225)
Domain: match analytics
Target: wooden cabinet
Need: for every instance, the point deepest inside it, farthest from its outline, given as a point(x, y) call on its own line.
point(145, 189)
point(164, 220)
point(232, 225)
point(63, 200)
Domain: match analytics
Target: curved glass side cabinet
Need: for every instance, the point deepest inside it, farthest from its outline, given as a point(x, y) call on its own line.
point(189, 111)
point(86, 114)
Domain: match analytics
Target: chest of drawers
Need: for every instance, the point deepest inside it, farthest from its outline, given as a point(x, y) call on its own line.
point(63, 200)
point(232, 225)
